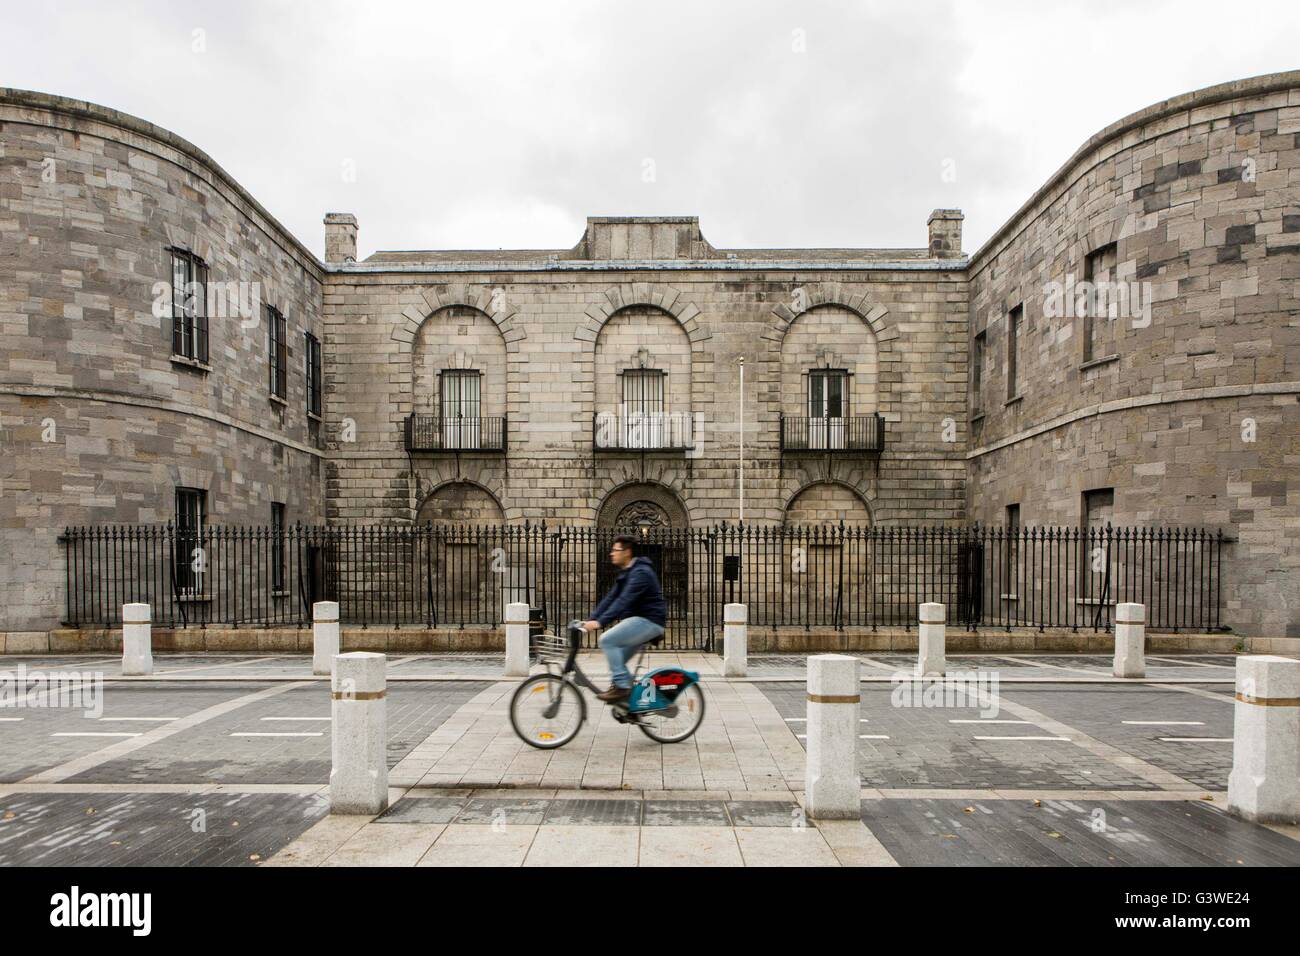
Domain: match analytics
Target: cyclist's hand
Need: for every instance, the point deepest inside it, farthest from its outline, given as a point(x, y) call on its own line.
point(591, 625)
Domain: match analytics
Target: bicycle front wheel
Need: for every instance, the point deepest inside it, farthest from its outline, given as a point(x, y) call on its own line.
point(677, 723)
point(547, 711)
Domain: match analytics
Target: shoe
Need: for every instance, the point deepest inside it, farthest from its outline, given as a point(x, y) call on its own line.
point(615, 694)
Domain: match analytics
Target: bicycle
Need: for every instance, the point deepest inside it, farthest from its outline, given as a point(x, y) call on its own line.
point(547, 710)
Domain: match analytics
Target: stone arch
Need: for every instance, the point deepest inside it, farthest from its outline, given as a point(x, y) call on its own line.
point(660, 297)
point(458, 337)
point(829, 337)
point(639, 338)
point(827, 501)
point(493, 302)
point(649, 501)
point(813, 294)
point(461, 502)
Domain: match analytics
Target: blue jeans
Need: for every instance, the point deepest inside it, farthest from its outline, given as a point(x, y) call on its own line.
point(620, 644)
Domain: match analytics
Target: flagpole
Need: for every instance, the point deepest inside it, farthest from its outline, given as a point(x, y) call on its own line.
point(742, 440)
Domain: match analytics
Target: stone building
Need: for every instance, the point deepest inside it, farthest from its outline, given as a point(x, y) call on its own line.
point(600, 385)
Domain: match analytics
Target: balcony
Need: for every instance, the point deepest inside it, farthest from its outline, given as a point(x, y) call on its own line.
point(643, 432)
point(431, 433)
point(855, 435)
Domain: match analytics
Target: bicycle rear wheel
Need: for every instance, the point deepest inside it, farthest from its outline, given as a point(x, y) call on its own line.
point(547, 711)
point(682, 720)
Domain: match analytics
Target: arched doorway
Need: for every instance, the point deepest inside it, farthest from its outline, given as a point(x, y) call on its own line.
point(658, 519)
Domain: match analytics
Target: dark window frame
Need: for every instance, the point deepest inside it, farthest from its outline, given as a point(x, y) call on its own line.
point(278, 352)
point(278, 550)
point(190, 330)
point(312, 366)
point(191, 516)
point(978, 350)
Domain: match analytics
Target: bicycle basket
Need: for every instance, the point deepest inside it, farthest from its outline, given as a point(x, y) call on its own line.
point(551, 649)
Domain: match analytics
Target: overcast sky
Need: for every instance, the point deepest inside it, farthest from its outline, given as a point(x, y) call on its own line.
point(478, 124)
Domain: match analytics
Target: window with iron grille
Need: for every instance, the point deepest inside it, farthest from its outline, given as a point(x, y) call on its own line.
point(278, 349)
point(1011, 568)
point(277, 546)
point(828, 400)
point(462, 408)
point(643, 408)
point(189, 306)
point(191, 557)
point(313, 375)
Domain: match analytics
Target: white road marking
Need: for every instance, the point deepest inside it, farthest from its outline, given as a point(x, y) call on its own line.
point(161, 720)
point(1197, 740)
point(205, 667)
point(297, 718)
point(1022, 738)
point(804, 720)
point(123, 747)
point(981, 720)
point(88, 733)
point(873, 737)
point(1165, 723)
point(315, 733)
point(10, 720)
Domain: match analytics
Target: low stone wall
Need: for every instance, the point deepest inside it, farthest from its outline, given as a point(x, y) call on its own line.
point(761, 640)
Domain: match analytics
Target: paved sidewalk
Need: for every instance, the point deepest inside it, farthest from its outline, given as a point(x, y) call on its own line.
point(744, 744)
point(224, 759)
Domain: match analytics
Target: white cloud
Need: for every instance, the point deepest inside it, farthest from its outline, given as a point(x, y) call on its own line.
point(506, 124)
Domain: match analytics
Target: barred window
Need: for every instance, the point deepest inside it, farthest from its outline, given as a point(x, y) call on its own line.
point(190, 557)
point(313, 375)
point(189, 306)
point(277, 546)
point(278, 349)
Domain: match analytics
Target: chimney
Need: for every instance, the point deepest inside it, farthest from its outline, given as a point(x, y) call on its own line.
point(340, 237)
point(945, 233)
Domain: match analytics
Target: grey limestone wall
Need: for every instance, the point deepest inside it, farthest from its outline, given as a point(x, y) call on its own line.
point(99, 424)
point(1189, 413)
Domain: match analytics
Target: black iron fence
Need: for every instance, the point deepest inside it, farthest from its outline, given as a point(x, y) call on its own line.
point(832, 577)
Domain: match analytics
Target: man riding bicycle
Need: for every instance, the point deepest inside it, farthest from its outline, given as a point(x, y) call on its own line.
point(637, 603)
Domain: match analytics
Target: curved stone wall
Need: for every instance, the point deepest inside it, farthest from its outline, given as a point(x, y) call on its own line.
point(1186, 405)
point(100, 425)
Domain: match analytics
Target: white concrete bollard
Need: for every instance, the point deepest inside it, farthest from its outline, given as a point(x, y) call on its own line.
point(1130, 640)
point(516, 639)
point(735, 638)
point(832, 786)
point(137, 640)
point(931, 660)
point(359, 709)
point(1264, 785)
point(324, 636)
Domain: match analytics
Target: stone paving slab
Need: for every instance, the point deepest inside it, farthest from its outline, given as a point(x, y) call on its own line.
point(151, 829)
point(1085, 743)
point(1072, 833)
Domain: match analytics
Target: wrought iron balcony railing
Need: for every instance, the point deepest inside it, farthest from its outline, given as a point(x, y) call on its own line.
point(643, 431)
point(856, 434)
point(432, 433)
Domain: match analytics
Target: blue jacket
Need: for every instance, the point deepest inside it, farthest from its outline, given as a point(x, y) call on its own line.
point(635, 593)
